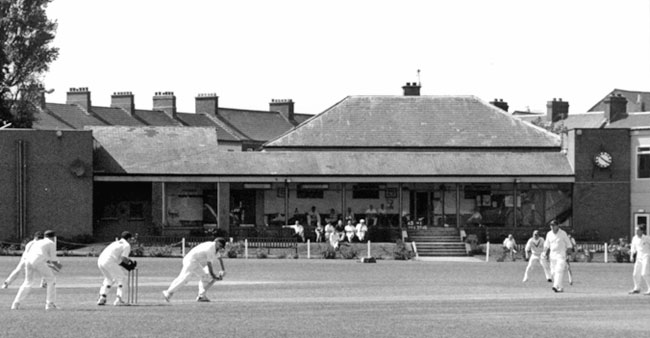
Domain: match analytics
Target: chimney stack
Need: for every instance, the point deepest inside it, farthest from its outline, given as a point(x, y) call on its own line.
point(165, 101)
point(499, 103)
point(557, 110)
point(284, 107)
point(615, 108)
point(123, 100)
point(207, 103)
point(411, 89)
point(79, 96)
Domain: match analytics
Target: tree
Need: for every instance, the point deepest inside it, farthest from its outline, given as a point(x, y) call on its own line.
point(26, 54)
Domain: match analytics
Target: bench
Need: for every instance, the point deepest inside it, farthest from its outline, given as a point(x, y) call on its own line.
point(272, 243)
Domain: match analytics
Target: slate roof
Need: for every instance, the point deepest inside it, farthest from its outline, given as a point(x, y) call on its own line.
point(414, 122)
point(147, 156)
point(300, 118)
point(254, 124)
point(202, 120)
point(74, 115)
point(633, 120)
point(44, 120)
point(164, 149)
point(637, 101)
point(585, 120)
point(115, 116)
point(155, 118)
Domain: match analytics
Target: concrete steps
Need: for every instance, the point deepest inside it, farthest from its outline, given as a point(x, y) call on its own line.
point(437, 242)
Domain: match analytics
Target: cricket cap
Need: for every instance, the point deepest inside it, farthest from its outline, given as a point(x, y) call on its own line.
point(126, 235)
point(49, 233)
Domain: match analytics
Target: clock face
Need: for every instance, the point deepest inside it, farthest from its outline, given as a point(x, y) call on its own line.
point(603, 160)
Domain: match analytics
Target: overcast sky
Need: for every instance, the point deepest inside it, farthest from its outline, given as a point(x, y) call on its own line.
point(319, 52)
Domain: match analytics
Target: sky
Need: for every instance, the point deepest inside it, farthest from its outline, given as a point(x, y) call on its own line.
point(316, 53)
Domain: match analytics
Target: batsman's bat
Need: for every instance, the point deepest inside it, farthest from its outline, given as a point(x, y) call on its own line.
point(568, 266)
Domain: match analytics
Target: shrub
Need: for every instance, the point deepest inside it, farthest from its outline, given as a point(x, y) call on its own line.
point(160, 251)
point(234, 250)
point(137, 250)
point(401, 252)
point(260, 254)
point(348, 252)
point(329, 253)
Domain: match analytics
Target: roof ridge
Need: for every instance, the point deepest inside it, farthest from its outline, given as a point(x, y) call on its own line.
point(222, 125)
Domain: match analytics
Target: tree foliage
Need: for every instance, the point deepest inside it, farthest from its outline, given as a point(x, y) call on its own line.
point(26, 35)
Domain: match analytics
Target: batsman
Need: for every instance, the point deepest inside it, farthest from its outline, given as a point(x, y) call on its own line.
point(114, 262)
point(199, 262)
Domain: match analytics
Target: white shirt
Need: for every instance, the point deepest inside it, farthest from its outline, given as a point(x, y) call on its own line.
point(558, 244)
point(27, 247)
point(349, 229)
point(115, 251)
point(202, 253)
point(509, 243)
point(535, 246)
point(42, 250)
point(362, 228)
point(640, 246)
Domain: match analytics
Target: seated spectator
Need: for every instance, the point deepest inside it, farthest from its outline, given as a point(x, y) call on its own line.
point(329, 229)
point(349, 231)
point(509, 245)
point(371, 215)
point(339, 229)
point(299, 230)
point(332, 217)
point(313, 217)
point(622, 252)
point(349, 216)
point(361, 230)
point(381, 215)
point(319, 233)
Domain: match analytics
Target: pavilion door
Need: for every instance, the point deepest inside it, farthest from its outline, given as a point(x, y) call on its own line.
point(421, 207)
point(242, 206)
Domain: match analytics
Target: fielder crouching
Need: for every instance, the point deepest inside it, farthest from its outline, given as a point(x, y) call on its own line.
point(113, 262)
point(199, 262)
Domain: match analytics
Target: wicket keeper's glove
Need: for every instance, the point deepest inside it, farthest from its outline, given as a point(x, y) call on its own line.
point(54, 265)
point(129, 264)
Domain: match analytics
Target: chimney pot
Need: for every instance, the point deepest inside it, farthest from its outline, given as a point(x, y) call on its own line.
point(165, 101)
point(557, 110)
point(79, 97)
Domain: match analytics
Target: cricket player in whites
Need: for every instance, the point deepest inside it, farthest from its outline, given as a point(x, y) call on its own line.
point(199, 262)
point(21, 265)
point(109, 264)
point(41, 259)
point(533, 252)
point(641, 247)
point(557, 243)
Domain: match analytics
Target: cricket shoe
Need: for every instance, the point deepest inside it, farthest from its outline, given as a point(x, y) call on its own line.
point(51, 306)
point(635, 291)
point(525, 279)
point(167, 296)
point(5, 285)
point(202, 299)
point(15, 306)
point(557, 290)
point(43, 284)
point(119, 302)
point(101, 300)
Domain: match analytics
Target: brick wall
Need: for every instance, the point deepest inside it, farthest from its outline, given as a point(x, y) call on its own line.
point(58, 181)
point(601, 197)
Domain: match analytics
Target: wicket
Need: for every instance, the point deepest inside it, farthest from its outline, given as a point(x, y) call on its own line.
point(132, 287)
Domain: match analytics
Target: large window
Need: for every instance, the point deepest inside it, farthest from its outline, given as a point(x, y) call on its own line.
point(643, 160)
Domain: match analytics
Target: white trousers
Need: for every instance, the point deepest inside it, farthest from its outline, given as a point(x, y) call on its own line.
point(641, 273)
point(33, 270)
point(558, 267)
point(189, 269)
point(536, 258)
point(113, 273)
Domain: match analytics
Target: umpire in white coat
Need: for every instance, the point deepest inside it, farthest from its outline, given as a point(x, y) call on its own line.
point(640, 247)
point(558, 243)
point(109, 264)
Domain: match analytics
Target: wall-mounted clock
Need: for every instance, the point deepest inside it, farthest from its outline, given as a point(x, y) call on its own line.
point(603, 160)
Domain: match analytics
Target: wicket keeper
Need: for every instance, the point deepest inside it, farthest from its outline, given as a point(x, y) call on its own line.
point(109, 264)
point(199, 262)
